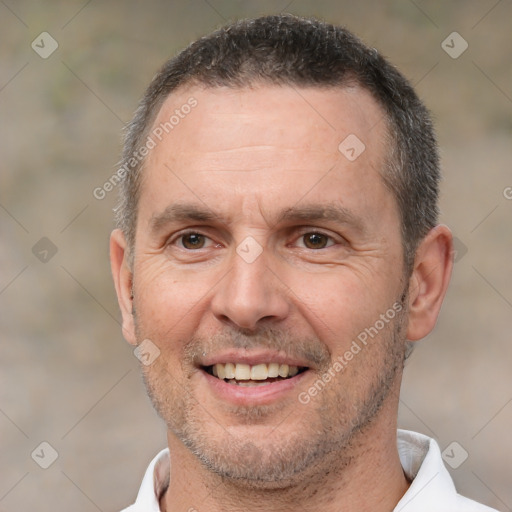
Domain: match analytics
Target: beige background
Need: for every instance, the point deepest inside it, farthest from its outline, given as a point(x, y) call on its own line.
point(66, 375)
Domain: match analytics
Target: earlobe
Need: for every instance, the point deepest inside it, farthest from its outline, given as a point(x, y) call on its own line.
point(429, 281)
point(123, 281)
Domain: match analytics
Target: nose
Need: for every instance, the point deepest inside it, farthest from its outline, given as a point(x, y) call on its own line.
point(250, 294)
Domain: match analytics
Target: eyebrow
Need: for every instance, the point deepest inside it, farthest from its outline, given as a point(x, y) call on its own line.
point(314, 212)
point(179, 212)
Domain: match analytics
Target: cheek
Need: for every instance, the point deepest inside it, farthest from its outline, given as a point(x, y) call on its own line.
point(339, 305)
point(167, 305)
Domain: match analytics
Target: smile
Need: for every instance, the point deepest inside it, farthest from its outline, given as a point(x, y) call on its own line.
point(246, 375)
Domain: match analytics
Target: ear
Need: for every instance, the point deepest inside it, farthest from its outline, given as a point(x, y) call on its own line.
point(429, 280)
point(123, 280)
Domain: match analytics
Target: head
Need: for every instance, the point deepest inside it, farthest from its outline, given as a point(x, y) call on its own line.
point(288, 216)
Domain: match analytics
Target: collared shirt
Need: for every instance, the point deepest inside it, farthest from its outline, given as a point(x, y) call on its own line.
point(431, 490)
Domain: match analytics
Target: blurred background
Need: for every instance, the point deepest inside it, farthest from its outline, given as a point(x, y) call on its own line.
point(71, 74)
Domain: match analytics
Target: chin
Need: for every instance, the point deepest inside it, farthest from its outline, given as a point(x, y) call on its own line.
point(278, 463)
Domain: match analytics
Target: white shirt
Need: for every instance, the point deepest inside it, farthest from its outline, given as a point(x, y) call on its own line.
point(431, 490)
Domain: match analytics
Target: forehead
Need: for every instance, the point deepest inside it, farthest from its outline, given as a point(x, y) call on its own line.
point(271, 142)
point(269, 114)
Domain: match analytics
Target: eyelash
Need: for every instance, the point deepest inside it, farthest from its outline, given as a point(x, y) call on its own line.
point(301, 235)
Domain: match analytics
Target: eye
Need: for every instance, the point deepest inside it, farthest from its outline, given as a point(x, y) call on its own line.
point(316, 240)
point(192, 241)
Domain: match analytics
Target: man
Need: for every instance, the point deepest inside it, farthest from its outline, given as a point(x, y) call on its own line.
point(277, 255)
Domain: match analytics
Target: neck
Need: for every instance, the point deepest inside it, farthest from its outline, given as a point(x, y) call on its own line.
point(370, 477)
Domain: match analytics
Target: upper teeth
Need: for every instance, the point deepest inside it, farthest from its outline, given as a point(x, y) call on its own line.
point(241, 371)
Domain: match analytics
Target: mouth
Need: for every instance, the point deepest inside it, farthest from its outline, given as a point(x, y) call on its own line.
point(246, 375)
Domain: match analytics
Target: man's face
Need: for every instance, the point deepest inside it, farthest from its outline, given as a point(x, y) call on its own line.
point(259, 242)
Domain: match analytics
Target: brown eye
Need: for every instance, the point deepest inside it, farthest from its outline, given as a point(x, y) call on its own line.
point(315, 240)
point(193, 241)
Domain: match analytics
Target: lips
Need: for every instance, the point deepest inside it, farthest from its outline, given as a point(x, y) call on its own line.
point(252, 377)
